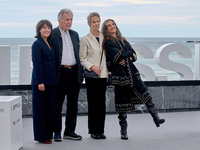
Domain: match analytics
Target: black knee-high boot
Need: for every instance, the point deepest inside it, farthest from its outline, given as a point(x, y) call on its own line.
point(152, 110)
point(123, 123)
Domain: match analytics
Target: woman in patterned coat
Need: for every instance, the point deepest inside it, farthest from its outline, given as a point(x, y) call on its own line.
point(129, 88)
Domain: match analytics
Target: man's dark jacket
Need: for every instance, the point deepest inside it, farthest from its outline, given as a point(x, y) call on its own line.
point(58, 47)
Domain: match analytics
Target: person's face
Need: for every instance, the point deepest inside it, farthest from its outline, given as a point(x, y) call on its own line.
point(111, 27)
point(45, 31)
point(66, 22)
point(94, 23)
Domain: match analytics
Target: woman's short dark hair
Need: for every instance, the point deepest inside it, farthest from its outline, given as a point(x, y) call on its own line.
point(41, 24)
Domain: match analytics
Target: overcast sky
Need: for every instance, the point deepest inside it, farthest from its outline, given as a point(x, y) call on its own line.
point(135, 18)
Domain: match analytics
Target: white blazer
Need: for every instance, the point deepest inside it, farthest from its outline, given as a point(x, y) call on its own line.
point(90, 53)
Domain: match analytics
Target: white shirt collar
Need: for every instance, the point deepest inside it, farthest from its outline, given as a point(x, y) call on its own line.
point(62, 32)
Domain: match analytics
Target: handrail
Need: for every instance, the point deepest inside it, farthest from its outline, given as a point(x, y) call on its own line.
point(148, 83)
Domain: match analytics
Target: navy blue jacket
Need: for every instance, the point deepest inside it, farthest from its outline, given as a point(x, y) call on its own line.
point(43, 58)
point(58, 47)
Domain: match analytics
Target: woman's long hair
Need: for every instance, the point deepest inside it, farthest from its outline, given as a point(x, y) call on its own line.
point(108, 36)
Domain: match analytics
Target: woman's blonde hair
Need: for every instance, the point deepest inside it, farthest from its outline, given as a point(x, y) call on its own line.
point(92, 14)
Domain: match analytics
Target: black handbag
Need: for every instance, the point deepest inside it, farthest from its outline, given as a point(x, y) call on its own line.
point(91, 74)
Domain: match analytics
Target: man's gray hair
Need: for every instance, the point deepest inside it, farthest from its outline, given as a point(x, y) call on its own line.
point(65, 10)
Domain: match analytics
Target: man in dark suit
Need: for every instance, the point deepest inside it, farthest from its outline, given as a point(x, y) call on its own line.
point(69, 74)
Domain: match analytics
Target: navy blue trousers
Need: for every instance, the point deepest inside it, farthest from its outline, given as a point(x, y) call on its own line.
point(43, 107)
point(67, 85)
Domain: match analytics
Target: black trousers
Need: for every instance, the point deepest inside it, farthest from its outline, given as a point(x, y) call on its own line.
point(67, 85)
point(96, 89)
point(43, 107)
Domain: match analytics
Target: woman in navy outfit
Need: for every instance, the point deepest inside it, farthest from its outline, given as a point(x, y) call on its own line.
point(43, 83)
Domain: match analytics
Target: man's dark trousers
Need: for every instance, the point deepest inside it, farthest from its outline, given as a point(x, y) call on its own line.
point(67, 85)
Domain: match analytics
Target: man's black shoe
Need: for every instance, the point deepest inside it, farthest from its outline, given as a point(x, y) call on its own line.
point(57, 137)
point(72, 136)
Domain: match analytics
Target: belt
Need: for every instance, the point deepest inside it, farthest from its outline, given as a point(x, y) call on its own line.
point(68, 66)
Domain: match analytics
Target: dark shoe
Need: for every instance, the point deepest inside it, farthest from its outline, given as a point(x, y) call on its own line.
point(123, 123)
point(46, 142)
point(102, 136)
point(160, 121)
point(72, 136)
point(95, 136)
point(124, 135)
point(152, 110)
point(57, 137)
point(157, 120)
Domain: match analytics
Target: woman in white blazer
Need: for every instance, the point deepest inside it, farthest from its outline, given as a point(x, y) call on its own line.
point(93, 59)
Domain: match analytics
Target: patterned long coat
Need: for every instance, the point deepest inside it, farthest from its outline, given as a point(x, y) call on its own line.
point(129, 88)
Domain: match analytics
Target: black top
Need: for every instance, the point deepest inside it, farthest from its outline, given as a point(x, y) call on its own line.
point(97, 39)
